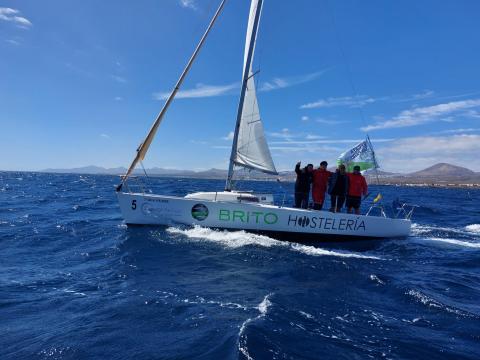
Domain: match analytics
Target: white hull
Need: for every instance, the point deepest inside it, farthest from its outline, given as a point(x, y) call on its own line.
point(146, 209)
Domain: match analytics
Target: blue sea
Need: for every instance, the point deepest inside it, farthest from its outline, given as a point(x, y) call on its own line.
point(76, 283)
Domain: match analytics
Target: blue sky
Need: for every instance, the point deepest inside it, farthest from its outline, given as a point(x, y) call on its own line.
point(82, 81)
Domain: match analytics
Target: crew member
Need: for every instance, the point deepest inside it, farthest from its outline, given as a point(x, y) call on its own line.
point(357, 186)
point(302, 185)
point(319, 185)
point(337, 188)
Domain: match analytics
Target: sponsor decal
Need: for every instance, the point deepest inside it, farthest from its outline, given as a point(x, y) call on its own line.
point(199, 212)
point(156, 200)
point(326, 223)
point(251, 217)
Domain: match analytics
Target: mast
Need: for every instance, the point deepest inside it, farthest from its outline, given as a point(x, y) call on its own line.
point(143, 147)
point(246, 71)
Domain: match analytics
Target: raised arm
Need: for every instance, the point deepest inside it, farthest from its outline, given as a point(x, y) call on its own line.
point(297, 168)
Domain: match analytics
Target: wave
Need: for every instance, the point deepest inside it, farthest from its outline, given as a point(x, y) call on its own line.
point(418, 229)
point(201, 300)
point(455, 242)
point(242, 338)
point(442, 234)
point(431, 302)
point(474, 228)
point(236, 239)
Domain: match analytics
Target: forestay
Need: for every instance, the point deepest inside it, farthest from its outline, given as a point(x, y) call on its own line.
point(251, 146)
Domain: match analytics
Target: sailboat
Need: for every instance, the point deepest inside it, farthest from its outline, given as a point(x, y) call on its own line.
point(244, 210)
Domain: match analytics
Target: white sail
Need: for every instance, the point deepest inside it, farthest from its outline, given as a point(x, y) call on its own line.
point(251, 146)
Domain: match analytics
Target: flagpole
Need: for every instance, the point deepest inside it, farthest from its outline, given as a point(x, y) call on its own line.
point(374, 159)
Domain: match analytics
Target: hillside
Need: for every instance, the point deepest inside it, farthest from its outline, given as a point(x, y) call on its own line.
point(441, 174)
point(443, 170)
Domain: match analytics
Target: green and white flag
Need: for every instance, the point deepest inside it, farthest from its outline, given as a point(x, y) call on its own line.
point(361, 155)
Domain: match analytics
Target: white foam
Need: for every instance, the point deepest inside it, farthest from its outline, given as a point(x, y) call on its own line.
point(264, 305)
point(455, 242)
point(242, 340)
point(474, 228)
point(231, 239)
point(375, 278)
point(236, 239)
point(418, 229)
point(314, 251)
point(428, 301)
point(307, 315)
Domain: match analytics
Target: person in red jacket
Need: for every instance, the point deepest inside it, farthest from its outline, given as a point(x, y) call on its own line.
point(319, 187)
point(356, 188)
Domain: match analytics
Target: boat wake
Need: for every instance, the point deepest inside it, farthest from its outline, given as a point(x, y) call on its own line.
point(456, 242)
point(237, 239)
point(453, 236)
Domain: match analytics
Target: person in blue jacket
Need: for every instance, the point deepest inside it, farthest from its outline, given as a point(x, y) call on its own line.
point(338, 188)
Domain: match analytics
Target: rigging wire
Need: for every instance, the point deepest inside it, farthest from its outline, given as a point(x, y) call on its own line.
point(348, 71)
point(204, 15)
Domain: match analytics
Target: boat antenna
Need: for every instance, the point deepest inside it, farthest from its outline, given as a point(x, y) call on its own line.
point(143, 147)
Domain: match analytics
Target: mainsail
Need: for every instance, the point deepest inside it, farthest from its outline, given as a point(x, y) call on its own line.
point(250, 148)
point(361, 155)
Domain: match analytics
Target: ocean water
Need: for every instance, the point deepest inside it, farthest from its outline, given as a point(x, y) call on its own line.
point(76, 283)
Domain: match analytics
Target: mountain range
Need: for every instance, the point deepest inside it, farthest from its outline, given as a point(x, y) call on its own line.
point(438, 174)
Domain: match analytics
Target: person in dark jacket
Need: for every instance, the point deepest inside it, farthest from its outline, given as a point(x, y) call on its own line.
point(338, 188)
point(302, 185)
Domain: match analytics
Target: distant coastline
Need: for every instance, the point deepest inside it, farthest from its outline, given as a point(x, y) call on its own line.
point(438, 175)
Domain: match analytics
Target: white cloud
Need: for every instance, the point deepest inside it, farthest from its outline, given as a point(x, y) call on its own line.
point(325, 141)
point(422, 115)
point(329, 122)
point(282, 83)
point(13, 42)
point(305, 118)
point(12, 15)
point(200, 91)
point(416, 153)
point(105, 136)
point(198, 142)
point(458, 131)
point(314, 137)
point(229, 136)
point(283, 134)
point(363, 100)
point(203, 90)
point(118, 98)
point(119, 79)
point(348, 101)
point(333, 151)
point(188, 4)
point(425, 94)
